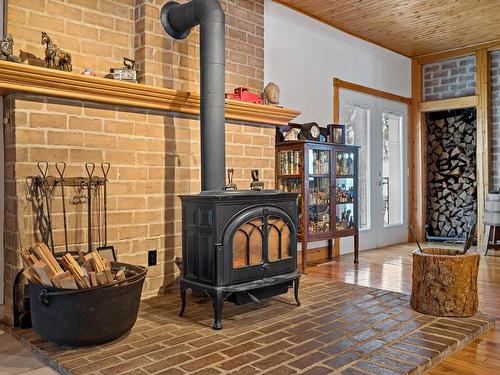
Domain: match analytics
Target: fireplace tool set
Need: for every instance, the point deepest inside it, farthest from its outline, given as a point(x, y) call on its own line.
point(91, 191)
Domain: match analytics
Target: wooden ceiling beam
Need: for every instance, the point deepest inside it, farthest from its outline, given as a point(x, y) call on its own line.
point(410, 28)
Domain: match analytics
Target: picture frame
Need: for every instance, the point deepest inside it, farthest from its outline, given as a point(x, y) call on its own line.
point(336, 133)
point(324, 135)
point(288, 133)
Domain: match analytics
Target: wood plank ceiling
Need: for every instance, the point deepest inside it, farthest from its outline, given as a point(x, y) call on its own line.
point(409, 27)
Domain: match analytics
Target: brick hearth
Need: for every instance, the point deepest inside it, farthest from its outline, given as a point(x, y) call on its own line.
point(339, 328)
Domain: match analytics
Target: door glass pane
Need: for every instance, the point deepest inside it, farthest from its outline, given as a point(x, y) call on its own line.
point(293, 185)
point(319, 162)
point(319, 191)
point(344, 200)
point(319, 204)
point(392, 183)
point(290, 162)
point(357, 120)
point(278, 239)
point(248, 244)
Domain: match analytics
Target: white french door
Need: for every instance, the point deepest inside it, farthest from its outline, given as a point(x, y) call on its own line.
point(379, 126)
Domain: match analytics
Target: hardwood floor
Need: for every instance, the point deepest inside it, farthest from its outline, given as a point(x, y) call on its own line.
point(390, 268)
point(17, 359)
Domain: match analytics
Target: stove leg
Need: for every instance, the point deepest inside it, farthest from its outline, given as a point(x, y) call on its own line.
point(218, 302)
point(183, 299)
point(296, 290)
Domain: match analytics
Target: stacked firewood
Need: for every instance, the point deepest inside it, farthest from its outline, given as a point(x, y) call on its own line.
point(41, 267)
point(451, 175)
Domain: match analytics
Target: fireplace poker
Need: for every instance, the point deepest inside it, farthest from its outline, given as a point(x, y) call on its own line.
point(105, 171)
point(90, 167)
point(61, 167)
point(43, 167)
point(230, 185)
point(415, 237)
point(97, 208)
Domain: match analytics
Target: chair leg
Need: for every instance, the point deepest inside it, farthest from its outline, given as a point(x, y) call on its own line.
point(486, 239)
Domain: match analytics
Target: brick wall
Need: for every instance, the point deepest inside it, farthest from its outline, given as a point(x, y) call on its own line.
point(450, 78)
point(174, 64)
point(98, 33)
point(495, 115)
point(154, 155)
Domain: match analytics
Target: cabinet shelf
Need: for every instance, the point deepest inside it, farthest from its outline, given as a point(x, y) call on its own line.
point(35, 80)
point(290, 176)
point(320, 175)
point(345, 176)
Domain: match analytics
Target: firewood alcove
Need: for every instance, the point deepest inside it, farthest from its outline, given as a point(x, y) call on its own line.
point(451, 174)
point(444, 282)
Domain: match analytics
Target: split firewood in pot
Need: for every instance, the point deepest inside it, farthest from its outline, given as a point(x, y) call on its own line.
point(102, 278)
point(68, 283)
point(120, 275)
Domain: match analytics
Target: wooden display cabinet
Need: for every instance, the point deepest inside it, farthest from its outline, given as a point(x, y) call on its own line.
point(326, 177)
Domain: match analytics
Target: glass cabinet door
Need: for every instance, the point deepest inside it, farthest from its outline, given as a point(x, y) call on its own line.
point(319, 191)
point(290, 175)
point(345, 190)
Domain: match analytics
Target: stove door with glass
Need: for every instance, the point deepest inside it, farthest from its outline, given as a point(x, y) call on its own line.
point(259, 243)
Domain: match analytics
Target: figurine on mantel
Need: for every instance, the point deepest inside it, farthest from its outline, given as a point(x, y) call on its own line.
point(128, 73)
point(55, 58)
point(7, 49)
point(272, 94)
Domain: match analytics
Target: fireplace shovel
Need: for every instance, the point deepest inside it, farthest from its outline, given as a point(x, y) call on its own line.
point(106, 249)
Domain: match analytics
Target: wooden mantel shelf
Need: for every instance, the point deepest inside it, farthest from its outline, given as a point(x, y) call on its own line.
point(55, 83)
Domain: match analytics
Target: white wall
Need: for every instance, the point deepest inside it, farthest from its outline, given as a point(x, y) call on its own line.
point(303, 56)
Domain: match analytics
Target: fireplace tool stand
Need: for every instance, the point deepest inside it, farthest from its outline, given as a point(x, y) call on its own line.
point(240, 293)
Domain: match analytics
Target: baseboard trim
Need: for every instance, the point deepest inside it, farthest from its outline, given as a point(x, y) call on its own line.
point(314, 255)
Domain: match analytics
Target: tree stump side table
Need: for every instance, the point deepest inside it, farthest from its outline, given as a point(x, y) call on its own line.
point(444, 282)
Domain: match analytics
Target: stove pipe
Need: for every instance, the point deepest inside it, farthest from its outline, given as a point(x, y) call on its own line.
point(177, 20)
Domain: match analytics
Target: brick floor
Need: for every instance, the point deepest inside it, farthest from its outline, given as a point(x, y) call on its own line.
point(340, 328)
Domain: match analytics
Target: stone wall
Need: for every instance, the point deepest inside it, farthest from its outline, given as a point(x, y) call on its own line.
point(450, 78)
point(495, 116)
point(154, 155)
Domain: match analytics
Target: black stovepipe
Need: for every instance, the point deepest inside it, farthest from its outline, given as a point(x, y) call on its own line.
point(177, 20)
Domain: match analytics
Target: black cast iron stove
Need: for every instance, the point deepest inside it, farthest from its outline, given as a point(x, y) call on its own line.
point(238, 246)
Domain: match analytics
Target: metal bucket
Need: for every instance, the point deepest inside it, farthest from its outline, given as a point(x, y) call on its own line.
point(88, 316)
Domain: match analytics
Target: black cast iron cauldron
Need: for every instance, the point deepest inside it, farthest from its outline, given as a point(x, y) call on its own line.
point(88, 316)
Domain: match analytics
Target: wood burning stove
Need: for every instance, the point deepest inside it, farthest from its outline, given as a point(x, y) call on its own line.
point(239, 246)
